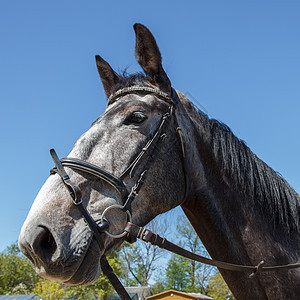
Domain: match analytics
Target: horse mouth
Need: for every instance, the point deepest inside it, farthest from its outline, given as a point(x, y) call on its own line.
point(89, 268)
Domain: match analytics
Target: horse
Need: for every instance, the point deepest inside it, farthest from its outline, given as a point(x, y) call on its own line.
point(241, 209)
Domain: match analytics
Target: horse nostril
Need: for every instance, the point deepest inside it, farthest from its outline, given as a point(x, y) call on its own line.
point(48, 242)
point(44, 244)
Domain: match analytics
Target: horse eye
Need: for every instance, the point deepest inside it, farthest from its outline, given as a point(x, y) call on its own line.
point(136, 118)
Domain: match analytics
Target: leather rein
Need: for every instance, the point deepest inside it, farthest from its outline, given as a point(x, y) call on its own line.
point(145, 158)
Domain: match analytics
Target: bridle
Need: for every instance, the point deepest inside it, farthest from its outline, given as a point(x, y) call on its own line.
point(144, 159)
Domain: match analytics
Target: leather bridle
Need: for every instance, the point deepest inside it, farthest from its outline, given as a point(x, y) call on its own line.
point(145, 158)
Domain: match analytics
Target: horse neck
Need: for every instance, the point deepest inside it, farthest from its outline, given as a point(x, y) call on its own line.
point(223, 213)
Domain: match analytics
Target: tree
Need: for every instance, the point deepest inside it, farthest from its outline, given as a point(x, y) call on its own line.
point(16, 271)
point(176, 273)
point(141, 258)
point(198, 273)
point(184, 274)
point(218, 289)
point(49, 290)
point(157, 287)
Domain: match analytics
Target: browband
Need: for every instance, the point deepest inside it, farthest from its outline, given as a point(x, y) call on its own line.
point(142, 90)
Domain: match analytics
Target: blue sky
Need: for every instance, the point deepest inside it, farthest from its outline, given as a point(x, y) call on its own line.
point(239, 60)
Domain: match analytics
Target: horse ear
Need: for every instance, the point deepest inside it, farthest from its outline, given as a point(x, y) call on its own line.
point(149, 57)
point(108, 76)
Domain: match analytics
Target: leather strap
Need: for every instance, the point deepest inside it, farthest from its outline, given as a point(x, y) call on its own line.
point(96, 171)
point(73, 188)
point(114, 280)
point(151, 146)
point(153, 238)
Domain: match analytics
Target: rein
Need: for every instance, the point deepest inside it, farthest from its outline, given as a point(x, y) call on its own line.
point(145, 158)
point(153, 238)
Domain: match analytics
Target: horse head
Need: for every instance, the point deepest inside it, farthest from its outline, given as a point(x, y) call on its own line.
point(55, 236)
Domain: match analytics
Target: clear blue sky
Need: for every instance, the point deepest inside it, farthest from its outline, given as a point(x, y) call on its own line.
point(240, 60)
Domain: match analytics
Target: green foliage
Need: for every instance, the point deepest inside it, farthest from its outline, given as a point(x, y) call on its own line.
point(218, 289)
point(49, 290)
point(17, 276)
point(16, 272)
point(157, 287)
point(84, 292)
point(176, 273)
point(184, 274)
point(138, 261)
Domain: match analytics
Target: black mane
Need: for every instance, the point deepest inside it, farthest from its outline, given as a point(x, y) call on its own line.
point(254, 178)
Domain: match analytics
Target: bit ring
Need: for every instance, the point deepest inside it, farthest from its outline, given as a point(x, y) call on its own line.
point(129, 219)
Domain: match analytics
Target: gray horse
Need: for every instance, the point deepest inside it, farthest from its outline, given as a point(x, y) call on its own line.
point(242, 210)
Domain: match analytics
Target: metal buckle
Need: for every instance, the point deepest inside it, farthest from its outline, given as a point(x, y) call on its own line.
point(144, 234)
point(133, 192)
point(77, 202)
point(163, 136)
point(166, 115)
